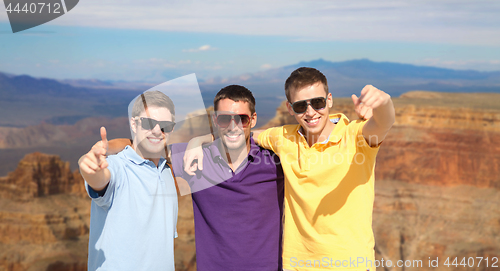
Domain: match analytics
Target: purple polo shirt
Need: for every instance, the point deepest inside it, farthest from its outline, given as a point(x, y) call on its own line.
point(237, 216)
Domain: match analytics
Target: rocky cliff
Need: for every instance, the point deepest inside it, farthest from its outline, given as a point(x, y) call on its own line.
point(45, 216)
point(438, 181)
point(40, 175)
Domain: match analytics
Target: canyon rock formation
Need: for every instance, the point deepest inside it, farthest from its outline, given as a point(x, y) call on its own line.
point(45, 216)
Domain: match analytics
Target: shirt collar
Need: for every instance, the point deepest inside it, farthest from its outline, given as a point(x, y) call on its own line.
point(135, 158)
point(335, 136)
point(337, 133)
point(216, 155)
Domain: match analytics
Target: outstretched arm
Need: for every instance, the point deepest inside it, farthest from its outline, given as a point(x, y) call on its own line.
point(377, 127)
point(93, 165)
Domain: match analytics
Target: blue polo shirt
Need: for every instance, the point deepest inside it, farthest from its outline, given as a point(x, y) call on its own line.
point(133, 225)
point(237, 215)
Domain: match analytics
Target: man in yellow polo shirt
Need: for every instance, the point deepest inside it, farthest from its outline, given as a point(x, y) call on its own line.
point(329, 164)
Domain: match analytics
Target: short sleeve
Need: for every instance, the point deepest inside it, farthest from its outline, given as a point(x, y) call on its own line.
point(270, 137)
point(356, 128)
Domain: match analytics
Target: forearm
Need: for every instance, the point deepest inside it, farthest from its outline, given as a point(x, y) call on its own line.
point(384, 116)
point(377, 127)
point(200, 140)
point(193, 156)
point(95, 173)
point(98, 180)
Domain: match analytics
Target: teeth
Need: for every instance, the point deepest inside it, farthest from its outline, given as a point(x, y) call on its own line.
point(312, 121)
point(156, 140)
point(232, 136)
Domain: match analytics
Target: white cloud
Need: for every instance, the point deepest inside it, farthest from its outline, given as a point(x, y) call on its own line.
point(444, 21)
point(266, 66)
point(200, 49)
point(205, 48)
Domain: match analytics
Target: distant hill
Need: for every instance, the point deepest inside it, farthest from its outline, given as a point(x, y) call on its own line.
point(65, 102)
point(351, 76)
point(25, 100)
point(348, 77)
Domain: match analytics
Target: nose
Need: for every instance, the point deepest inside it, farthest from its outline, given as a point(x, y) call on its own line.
point(310, 110)
point(156, 130)
point(232, 124)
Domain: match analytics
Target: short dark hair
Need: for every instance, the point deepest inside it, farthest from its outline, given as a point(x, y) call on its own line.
point(303, 77)
point(153, 98)
point(236, 93)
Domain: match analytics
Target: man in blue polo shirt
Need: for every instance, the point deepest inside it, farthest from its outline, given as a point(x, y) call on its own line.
point(238, 196)
point(134, 200)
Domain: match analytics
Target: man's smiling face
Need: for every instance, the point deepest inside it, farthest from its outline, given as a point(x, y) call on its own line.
point(151, 142)
point(313, 121)
point(235, 136)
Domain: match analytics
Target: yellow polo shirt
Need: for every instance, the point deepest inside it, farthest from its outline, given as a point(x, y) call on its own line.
point(329, 193)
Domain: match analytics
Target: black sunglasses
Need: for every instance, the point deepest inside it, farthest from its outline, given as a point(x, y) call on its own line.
point(224, 120)
point(150, 124)
point(300, 107)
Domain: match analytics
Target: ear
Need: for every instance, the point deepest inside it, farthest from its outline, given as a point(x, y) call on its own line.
point(133, 125)
point(329, 100)
point(253, 119)
point(289, 107)
point(214, 120)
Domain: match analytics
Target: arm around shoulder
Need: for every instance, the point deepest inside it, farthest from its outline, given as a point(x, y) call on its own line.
point(269, 138)
point(255, 135)
point(193, 156)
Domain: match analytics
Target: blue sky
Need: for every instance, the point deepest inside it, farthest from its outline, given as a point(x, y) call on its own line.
point(159, 40)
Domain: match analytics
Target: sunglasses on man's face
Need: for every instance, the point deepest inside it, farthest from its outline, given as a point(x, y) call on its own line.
point(224, 120)
point(300, 107)
point(150, 124)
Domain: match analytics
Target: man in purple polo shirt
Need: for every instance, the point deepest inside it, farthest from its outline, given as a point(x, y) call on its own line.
point(238, 220)
point(238, 195)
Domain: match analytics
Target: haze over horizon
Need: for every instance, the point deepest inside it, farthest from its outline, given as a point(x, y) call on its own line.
point(101, 82)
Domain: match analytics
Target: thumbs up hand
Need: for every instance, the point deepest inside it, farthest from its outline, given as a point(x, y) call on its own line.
point(95, 160)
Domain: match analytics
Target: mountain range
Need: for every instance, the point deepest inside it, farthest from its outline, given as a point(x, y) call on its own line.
point(395, 78)
point(26, 100)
